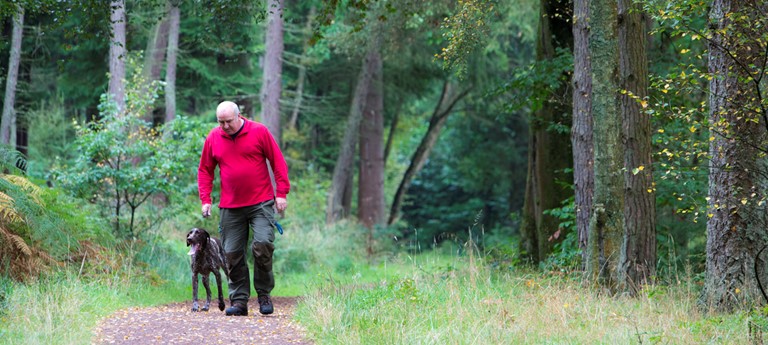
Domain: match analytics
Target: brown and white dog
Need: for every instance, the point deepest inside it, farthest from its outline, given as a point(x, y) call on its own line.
point(207, 257)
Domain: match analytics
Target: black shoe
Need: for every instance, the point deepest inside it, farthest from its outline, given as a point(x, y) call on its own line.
point(265, 305)
point(237, 309)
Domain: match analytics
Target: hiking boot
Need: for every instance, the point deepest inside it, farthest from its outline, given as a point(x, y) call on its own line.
point(265, 305)
point(237, 309)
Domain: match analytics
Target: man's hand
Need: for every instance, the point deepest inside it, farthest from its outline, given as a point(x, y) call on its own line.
point(206, 210)
point(281, 204)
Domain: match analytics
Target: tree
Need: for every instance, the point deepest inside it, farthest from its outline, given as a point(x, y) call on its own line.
point(273, 69)
point(606, 219)
point(370, 191)
point(736, 228)
point(120, 172)
point(117, 53)
point(174, 18)
point(443, 108)
point(155, 52)
point(637, 263)
point(548, 154)
point(582, 126)
point(8, 121)
point(343, 169)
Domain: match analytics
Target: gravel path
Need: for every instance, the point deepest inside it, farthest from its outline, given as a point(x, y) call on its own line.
point(177, 324)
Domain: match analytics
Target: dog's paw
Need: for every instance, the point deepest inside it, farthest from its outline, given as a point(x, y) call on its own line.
point(195, 307)
point(205, 308)
point(221, 306)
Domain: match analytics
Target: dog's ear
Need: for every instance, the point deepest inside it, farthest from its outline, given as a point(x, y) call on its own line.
point(189, 233)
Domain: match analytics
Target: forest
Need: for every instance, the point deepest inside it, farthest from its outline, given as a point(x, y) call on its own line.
point(502, 166)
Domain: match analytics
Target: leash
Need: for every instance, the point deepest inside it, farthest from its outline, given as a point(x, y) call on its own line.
point(274, 198)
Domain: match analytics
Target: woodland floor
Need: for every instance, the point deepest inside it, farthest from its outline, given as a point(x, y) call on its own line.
point(177, 324)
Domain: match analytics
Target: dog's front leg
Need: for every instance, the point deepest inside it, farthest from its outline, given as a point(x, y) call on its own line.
point(207, 293)
point(218, 285)
point(195, 306)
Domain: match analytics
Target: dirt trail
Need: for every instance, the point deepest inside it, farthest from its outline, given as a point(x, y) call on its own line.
point(177, 324)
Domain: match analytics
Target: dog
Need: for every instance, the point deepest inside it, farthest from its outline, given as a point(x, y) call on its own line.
point(207, 257)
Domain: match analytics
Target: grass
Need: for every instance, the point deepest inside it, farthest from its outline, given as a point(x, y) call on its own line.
point(436, 299)
point(429, 298)
point(65, 309)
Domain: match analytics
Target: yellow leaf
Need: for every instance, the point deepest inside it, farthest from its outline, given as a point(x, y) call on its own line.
point(684, 51)
point(661, 130)
point(644, 104)
point(664, 90)
point(744, 201)
point(641, 168)
point(692, 129)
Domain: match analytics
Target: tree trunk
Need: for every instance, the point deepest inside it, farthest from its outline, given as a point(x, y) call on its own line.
point(607, 218)
point(154, 55)
point(302, 72)
point(443, 108)
point(273, 69)
point(8, 120)
point(637, 264)
point(529, 242)
point(582, 128)
point(736, 228)
point(344, 163)
point(174, 18)
point(117, 54)
point(549, 154)
point(392, 130)
point(370, 190)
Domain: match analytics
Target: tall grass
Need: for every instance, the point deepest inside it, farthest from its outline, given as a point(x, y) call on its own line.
point(438, 299)
point(65, 308)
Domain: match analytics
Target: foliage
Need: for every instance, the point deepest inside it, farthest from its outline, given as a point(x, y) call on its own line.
point(566, 255)
point(122, 161)
point(464, 32)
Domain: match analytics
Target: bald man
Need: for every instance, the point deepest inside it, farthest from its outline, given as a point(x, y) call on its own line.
point(242, 149)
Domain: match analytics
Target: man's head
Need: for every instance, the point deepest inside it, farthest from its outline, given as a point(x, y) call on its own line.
point(228, 116)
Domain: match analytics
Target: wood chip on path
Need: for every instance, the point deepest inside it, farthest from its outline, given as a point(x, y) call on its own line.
point(177, 324)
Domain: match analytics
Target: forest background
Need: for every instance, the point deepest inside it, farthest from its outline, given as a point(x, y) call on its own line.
point(595, 163)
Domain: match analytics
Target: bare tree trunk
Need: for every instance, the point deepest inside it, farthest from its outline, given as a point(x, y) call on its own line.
point(549, 154)
point(8, 120)
point(370, 190)
point(607, 219)
point(392, 130)
point(174, 18)
point(273, 69)
point(637, 264)
point(529, 241)
point(117, 54)
point(582, 128)
point(443, 108)
point(302, 72)
point(345, 160)
point(155, 55)
point(736, 228)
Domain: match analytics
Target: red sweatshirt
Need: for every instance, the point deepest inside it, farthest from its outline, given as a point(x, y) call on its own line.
point(244, 176)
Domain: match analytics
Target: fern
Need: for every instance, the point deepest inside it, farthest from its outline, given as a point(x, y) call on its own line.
point(7, 212)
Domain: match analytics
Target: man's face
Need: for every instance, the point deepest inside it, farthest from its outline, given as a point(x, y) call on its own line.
point(228, 121)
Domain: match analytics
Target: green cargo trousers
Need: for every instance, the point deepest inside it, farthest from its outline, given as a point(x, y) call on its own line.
point(234, 225)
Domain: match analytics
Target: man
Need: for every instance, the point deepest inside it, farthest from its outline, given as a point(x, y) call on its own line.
point(241, 148)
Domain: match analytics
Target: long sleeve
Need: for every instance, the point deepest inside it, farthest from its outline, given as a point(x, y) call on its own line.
point(205, 172)
point(279, 166)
